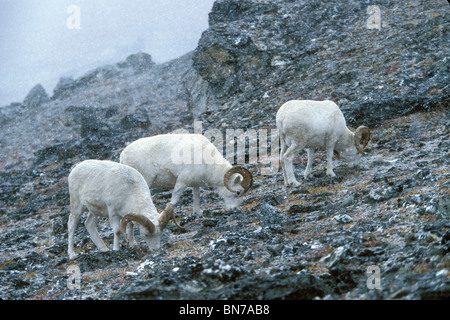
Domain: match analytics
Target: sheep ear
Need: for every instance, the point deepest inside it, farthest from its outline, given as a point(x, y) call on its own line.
point(138, 218)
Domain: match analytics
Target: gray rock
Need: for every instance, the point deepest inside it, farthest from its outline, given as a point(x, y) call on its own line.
point(444, 208)
point(140, 62)
point(36, 97)
point(335, 257)
point(343, 218)
point(64, 87)
point(137, 119)
point(349, 200)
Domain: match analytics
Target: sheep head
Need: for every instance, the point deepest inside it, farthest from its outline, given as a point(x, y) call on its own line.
point(236, 182)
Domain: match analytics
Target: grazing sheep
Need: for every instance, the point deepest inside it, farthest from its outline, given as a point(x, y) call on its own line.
point(117, 191)
point(310, 125)
point(180, 161)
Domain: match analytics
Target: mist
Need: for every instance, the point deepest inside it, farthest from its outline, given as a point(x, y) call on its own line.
point(41, 41)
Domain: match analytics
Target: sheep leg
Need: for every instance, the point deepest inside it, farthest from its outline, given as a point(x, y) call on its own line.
point(115, 224)
point(196, 204)
point(177, 192)
point(75, 214)
point(130, 234)
point(287, 160)
point(330, 172)
point(91, 226)
point(311, 152)
point(282, 152)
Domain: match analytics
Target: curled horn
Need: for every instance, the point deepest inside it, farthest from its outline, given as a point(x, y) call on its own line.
point(246, 182)
point(362, 137)
point(166, 215)
point(138, 218)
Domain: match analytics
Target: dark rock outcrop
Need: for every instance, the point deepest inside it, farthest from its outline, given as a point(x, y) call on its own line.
point(139, 62)
point(36, 97)
point(64, 87)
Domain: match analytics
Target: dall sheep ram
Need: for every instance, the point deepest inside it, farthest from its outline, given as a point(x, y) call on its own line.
point(110, 189)
point(180, 161)
point(311, 125)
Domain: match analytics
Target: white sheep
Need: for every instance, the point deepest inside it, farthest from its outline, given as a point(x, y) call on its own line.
point(110, 189)
point(311, 125)
point(180, 161)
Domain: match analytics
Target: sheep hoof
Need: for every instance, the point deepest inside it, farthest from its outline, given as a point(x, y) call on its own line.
point(331, 174)
point(294, 184)
point(199, 213)
point(72, 256)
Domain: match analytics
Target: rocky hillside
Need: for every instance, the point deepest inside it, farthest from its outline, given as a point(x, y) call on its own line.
point(316, 241)
point(129, 96)
point(258, 54)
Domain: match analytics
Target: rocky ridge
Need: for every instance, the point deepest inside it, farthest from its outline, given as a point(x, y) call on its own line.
point(114, 99)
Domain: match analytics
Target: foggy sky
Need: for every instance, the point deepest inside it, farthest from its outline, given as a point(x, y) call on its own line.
point(36, 46)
